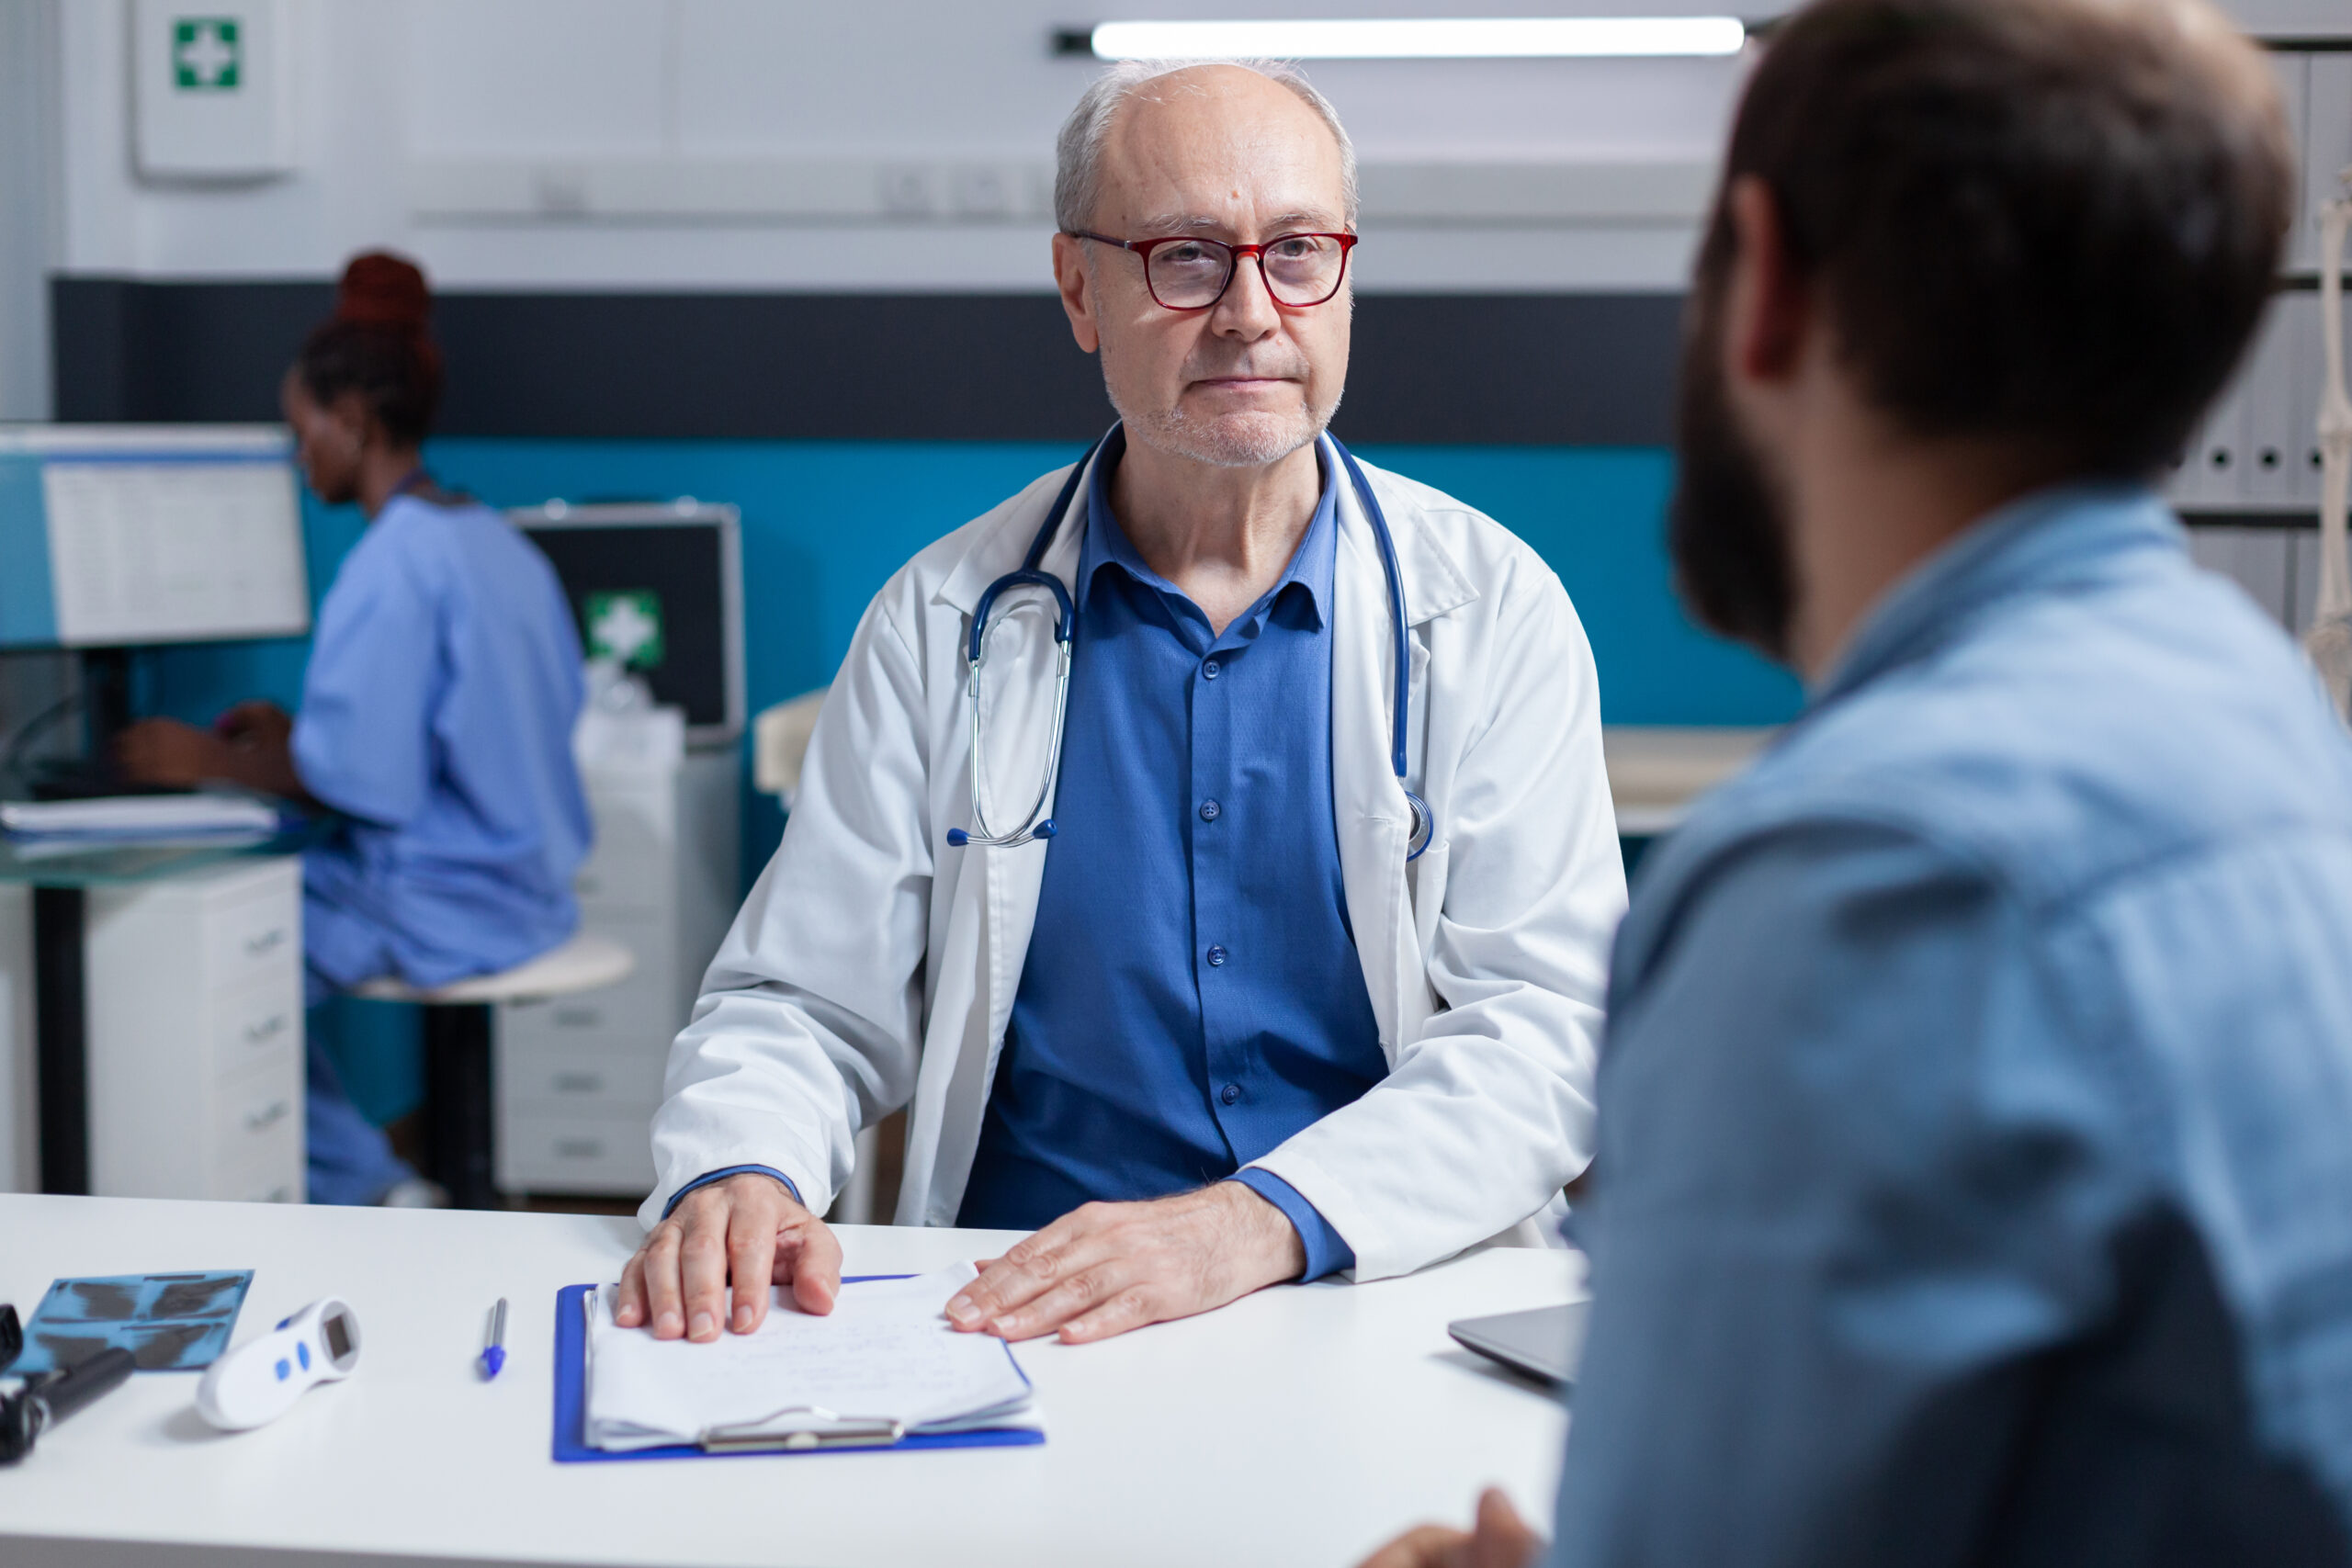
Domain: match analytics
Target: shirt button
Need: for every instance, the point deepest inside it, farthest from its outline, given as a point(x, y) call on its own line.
point(1229, 1093)
point(1216, 957)
point(1211, 811)
point(1212, 669)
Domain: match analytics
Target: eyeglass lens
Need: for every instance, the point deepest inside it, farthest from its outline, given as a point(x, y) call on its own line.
point(1301, 269)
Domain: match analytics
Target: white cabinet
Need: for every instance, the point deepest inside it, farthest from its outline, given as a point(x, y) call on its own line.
point(578, 1077)
point(195, 988)
point(20, 1135)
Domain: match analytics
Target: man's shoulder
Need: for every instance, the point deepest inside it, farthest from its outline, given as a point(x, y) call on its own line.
point(2063, 759)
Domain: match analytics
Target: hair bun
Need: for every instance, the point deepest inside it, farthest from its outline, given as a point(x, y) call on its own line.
point(380, 289)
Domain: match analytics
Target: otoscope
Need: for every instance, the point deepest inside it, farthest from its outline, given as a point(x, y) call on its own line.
point(48, 1399)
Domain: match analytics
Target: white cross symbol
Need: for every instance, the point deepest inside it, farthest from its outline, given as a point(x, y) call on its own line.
point(625, 629)
point(206, 55)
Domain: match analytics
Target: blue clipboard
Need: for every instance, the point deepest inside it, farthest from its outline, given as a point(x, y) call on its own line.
point(571, 1405)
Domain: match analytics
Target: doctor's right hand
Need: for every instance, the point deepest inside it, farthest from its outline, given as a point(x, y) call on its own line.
point(747, 1231)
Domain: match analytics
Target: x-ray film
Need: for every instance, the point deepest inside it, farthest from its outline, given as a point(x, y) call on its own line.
point(169, 1322)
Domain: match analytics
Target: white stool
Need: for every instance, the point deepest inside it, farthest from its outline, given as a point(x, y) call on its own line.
point(459, 1106)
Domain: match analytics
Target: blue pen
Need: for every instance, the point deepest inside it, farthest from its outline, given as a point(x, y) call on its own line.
point(493, 1355)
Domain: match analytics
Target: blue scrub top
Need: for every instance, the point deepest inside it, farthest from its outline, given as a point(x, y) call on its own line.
point(444, 680)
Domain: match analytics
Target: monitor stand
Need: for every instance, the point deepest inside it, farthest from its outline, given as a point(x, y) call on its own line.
point(106, 709)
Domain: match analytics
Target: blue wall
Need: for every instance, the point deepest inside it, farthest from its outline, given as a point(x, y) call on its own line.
point(825, 523)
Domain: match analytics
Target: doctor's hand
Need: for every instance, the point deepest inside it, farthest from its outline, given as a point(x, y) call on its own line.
point(1501, 1541)
point(1108, 1267)
point(748, 1230)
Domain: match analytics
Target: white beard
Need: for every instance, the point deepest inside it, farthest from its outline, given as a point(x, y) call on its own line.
point(1229, 441)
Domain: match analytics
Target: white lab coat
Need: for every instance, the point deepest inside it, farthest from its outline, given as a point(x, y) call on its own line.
point(874, 966)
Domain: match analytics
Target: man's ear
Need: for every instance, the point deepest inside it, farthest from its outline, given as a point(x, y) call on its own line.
point(1768, 309)
point(1075, 279)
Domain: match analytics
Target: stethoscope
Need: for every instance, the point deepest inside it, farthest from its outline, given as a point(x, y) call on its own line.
point(1036, 825)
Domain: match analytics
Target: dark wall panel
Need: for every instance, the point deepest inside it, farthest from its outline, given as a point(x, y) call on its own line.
point(1478, 369)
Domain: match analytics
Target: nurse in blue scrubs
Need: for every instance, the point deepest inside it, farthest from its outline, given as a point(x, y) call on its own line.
point(436, 716)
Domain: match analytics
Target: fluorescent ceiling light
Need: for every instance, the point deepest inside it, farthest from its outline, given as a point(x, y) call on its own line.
point(1489, 38)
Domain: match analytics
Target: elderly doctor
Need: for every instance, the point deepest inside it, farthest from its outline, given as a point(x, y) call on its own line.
point(1249, 1011)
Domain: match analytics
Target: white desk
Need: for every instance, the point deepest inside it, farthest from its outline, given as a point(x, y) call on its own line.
point(1300, 1427)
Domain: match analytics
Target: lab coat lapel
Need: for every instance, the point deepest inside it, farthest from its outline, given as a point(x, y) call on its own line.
point(1368, 805)
point(1019, 722)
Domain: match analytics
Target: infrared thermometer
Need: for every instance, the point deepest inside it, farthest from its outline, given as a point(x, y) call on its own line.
point(257, 1381)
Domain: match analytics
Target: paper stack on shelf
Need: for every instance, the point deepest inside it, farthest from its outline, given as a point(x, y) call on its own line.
point(140, 819)
point(884, 1364)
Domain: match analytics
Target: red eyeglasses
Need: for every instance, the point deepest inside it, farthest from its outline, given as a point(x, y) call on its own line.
point(1185, 273)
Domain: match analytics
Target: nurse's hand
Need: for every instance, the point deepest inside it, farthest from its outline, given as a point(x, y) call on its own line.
point(257, 725)
point(746, 1230)
point(1108, 1267)
point(166, 751)
point(1501, 1541)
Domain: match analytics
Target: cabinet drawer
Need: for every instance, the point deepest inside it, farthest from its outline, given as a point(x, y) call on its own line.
point(632, 864)
point(535, 1076)
point(279, 1178)
point(257, 1131)
point(545, 1153)
point(629, 1018)
point(255, 1023)
point(254, 938)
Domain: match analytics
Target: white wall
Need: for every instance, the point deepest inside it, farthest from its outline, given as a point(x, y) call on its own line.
point(548, 87)
point(27, 170)
point(546, 104)
point(19, 1122)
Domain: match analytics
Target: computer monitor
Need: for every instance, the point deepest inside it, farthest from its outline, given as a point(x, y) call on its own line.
point(659, 587)
point(126, 535)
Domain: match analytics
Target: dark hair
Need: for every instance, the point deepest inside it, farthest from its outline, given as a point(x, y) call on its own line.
point(380, 344)
point(2056, 221)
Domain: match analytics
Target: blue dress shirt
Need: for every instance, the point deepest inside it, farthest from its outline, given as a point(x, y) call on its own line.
point(438, 711)
point(1974, 1179)
point(1191, 996)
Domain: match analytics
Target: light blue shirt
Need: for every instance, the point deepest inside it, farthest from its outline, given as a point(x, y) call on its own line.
point(437, 709)
point(1974, 1179)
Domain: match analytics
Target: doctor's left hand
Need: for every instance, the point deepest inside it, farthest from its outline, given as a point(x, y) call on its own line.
point(1108, 1267)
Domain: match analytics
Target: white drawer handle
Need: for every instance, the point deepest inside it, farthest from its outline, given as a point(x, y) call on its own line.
point(579, 1083)
point(580, 1148)
point(268, 1029)
point(579, 1017)
point(269, 941)
point(275, 1111)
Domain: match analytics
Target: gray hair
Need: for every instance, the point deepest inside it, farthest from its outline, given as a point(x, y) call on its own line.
point(1077, 150)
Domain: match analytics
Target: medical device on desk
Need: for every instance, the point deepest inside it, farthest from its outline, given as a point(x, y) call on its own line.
point(1036, 825)
point(46, 1400)
point(258, 1382)
point(2329, 642)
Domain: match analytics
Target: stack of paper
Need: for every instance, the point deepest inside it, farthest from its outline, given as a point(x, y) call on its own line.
point(140, 818)
point(885, 1362)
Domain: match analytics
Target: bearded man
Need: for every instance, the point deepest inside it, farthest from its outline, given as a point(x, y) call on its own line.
point(1977, 1108)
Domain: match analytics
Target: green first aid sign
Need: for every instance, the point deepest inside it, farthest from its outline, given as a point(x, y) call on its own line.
point(206, 54)
point(625, 627)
